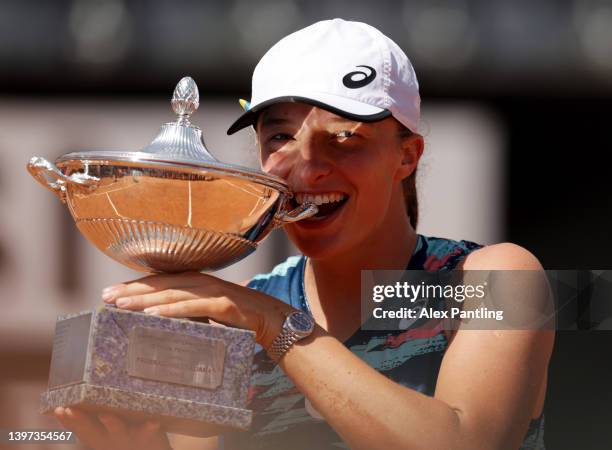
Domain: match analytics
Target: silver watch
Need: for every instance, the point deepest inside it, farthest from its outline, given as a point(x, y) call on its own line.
point(297, 326)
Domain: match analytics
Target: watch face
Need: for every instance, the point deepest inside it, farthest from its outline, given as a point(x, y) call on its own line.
point(301, 322)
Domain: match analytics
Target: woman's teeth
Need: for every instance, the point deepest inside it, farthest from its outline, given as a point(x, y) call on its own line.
point(319, 199)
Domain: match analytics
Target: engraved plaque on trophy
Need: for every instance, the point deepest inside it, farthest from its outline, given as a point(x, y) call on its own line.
point(170, 207)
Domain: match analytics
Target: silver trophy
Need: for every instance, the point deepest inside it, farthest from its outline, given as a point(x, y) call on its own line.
point(170, 207)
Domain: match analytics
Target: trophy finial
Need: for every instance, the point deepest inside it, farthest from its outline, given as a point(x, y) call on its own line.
point(185, 99)
point(181, 140)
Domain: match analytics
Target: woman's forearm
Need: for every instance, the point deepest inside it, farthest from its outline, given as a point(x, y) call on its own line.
point(368, 410)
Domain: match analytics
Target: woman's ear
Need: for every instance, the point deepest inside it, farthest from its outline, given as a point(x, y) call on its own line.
point(411, 148)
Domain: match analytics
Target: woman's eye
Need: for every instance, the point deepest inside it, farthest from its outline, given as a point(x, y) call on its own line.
point(280, 137)
point(345, 134)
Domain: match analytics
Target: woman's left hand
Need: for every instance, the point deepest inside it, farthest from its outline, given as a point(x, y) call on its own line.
point(106, 431)
point(193, 294)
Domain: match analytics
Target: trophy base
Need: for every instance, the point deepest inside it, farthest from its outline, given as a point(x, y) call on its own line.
point(176, 416)
point(191, 376)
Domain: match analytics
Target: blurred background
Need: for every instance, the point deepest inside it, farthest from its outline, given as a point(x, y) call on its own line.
point(516, 99)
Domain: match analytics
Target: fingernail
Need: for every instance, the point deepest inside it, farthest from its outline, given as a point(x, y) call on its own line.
point(59, 411)
point(153, 310)
point(108, 294)
point(123, 302)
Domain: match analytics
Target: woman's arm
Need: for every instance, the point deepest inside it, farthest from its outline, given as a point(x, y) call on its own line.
point(487, 386)
point(485, 396)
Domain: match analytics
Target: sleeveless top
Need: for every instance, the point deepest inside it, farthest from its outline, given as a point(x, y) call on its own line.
point(411, 357)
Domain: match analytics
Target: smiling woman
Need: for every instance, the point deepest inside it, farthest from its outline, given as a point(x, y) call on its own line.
point(321, 154)
point(336, 110)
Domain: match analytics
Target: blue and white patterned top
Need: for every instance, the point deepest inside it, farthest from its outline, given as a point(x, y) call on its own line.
point(411, 357)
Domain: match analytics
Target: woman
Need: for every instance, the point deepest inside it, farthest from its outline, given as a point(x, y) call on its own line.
point(336, 109)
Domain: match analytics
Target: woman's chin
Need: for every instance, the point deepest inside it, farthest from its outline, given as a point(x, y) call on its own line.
point(328, 237)
point(317, 246)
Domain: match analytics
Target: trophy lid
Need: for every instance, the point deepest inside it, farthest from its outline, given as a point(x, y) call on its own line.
point(179, 144)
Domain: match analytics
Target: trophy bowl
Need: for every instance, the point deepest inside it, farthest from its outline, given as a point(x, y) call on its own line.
point(170, 207)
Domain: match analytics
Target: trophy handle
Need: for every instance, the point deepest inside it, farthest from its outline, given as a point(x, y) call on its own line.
point(304, 211)
point(52, 178)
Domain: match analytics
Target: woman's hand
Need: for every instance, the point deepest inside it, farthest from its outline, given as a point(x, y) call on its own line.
point(106, 431)
point(192, 294)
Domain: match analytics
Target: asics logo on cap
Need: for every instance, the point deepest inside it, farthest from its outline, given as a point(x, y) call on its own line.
point(352, 83)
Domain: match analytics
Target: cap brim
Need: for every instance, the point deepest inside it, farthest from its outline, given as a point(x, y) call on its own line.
point(343, 107)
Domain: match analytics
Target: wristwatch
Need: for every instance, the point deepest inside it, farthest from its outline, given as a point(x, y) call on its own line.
point(297, 325)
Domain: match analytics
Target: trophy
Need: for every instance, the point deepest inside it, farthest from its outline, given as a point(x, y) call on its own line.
point(170, 207)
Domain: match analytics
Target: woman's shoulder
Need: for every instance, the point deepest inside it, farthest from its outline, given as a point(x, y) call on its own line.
point(502, 256)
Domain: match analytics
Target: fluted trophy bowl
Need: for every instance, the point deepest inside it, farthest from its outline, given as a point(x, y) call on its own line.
point(170, 207)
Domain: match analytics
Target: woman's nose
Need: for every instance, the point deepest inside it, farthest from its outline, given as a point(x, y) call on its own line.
point(311, 164)
point(309, 170)
point(306, 163)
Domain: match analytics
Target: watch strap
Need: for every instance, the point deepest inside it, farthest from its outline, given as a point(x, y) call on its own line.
point(288, 336)
point(282, 343)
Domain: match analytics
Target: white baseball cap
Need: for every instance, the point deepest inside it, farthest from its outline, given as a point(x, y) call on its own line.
point(348, 68)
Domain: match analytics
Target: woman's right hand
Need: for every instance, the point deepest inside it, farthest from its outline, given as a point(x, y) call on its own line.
point(105, 431)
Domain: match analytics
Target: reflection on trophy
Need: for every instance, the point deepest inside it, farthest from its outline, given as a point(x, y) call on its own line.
point(170, 207)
